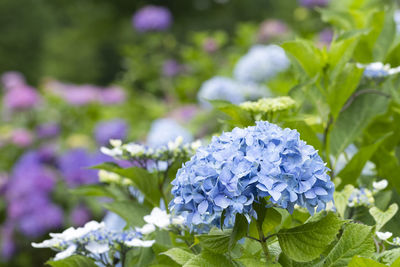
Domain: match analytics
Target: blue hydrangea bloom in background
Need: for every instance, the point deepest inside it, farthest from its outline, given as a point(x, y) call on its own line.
point(165, 130)
point(313, 3)
point(220, 88)
point(239, 167)
point(113, 129)
point(152, 18)
point(261, 63)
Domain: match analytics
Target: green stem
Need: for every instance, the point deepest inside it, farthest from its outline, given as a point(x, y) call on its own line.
point(263, 241)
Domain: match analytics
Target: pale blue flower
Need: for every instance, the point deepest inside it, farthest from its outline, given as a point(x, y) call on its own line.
point(166, 130)
point(261, 63)
point(240, 167)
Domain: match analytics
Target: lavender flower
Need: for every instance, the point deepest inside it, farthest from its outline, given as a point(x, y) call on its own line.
point(261, 63)
point(80, 215)
point(113, 129)
point(74, 165)
point(326, 36)
point(271, 29)
point(313, 3)
point(171, 68)
point(21, 98)
point(166, 130)
point(244, 165)
point(7, 244)
point(21, 137)
point(112, 95)
point(152, 18)
point(12, 79)
point(48, 130)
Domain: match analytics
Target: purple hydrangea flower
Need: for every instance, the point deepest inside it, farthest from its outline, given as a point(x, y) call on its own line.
point(113, 129)
point(75, 164)
point(7, 243)
point(28, 197)
point(171, 68)
point(313, 3)
point(21, 98)
point(271, 29)
point(80, 215)
point(21, 137)
point(48, 130)
point(326, 36)
point(112, 95)
point(152, 18)
point(244, 165)
point(12, 79)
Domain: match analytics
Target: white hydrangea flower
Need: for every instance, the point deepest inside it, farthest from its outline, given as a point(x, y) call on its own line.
point(66, 253)
point(97, 248)
point(55, 242)
point(378, 70)
point(382, 184)
point(158, 217)
point(136, 242)
point(146, 229)
point(113, 152)
point(383, 235)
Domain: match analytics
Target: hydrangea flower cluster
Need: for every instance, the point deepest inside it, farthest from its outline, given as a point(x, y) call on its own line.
point(261, 63)
point(80, 95)
point(240, 167)
point(152, 18)
point(148, 157)
point(19, 95)
point(313, 3)
point(265, 105)
point(113, 129)
point(165, 130)
point(378, 70)
point(93, 240)
point(361, 197)
point(223, 88)
point(272, 28)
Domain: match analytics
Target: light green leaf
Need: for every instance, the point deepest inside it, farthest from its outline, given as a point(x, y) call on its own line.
point(342, 87)
point(390, 256)
point(364, 262)
point(306, 242)
point(353, 169)
point(306, 55)
point(382, 217)
point(357, 239)
point(218, 243)
point(342, 198)
point(146, 182)
point(179, 255)
point(94, 190)
point(351, 122)
point(209, 259)
point(131, 211)
point(73, 261)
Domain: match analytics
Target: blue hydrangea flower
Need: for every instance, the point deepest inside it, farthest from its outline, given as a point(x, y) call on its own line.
point(378, 70)
point(222, 88)
point(165, 130)
point(240, 167)
point(261, 63)
point(112, 129)
point(313, 3)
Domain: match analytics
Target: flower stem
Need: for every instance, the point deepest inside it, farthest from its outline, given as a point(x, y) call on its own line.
point(263, 241)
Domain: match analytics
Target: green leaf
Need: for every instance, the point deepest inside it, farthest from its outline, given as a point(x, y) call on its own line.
point(272, 220)
point(218, 243)
point(390, 256)
point(342, 198)
point(73, 261)
point(353, 169)
point(179, 255)
point(306, 55)
point(209, 259)
point(94, 190)
point(364, 262)
point(239, 230)
point(306, 242)
point(239, 117)
point(357, 239)
point(382, 217)
point(351, 122)
point(131, 211)
point(146, 182)
point(342, 87)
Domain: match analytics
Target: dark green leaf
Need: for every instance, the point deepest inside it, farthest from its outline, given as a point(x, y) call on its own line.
point(239, 230)
point(73, 261)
